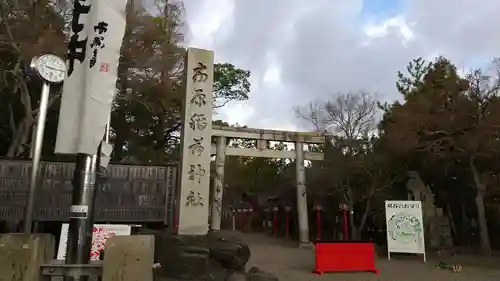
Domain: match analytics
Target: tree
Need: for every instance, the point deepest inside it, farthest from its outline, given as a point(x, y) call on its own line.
point(360, 178)
point(150, 112)
point(146, 115)
point(416, 69)
point(146, 112)
point(230, 84)
point(352, 166)
point(27, 29)
point(255, 175)
point(348, 115)
point(453, 121)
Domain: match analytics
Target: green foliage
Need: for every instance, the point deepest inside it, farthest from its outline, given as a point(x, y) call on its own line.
point(447, 129)
point(230, 84)
point(416, 69)
point(258, 176)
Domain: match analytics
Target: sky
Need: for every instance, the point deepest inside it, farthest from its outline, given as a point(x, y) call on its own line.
point(301, 51)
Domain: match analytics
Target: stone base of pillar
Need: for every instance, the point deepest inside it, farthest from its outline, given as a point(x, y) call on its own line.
point(184, 257)
point(306, 245)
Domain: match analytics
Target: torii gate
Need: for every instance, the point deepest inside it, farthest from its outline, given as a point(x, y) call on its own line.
point(221, 133)
point(197, 149)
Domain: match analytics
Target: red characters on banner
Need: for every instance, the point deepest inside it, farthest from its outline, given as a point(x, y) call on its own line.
point(100, 236)
point(104, 67)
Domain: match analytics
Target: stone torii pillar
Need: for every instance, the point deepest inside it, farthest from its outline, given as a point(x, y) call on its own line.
point(301, 194)
point(218, 186)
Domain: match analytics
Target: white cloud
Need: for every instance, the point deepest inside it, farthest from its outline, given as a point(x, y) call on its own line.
point(205, 19)
point(272, 76)
point(299, 51)
point(383, 29)
point(237, 113)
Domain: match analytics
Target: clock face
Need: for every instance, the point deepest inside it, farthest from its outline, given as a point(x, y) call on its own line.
point(51, 68)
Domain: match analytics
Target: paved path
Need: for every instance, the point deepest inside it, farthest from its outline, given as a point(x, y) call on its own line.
point(290, 263)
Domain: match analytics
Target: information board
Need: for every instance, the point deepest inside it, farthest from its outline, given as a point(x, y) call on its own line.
point(405, 227)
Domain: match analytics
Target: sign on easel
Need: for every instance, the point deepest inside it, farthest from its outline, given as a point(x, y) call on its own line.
point(405, 227)
point(101, 233)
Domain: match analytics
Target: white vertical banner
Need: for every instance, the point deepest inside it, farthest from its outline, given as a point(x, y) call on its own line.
point(405, 227)
point(196, 143)
point(97, 31)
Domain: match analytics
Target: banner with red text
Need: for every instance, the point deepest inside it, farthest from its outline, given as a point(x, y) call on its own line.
point(97, 31)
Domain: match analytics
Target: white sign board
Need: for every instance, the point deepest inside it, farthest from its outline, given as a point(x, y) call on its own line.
point(405, 227)
point(101, 233)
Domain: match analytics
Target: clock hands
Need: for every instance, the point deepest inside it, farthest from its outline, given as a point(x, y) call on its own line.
point(55, 68)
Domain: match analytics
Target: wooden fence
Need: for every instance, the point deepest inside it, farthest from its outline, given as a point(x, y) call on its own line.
point(129, 194)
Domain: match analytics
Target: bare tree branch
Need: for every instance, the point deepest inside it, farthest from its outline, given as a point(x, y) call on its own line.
point(351, 115)
point(312, 113)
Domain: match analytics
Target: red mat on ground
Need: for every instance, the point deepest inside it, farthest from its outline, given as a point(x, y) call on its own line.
point(345, 256)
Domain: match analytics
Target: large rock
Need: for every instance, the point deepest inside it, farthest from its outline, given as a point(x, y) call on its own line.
point(210, 257)
point(230, 254)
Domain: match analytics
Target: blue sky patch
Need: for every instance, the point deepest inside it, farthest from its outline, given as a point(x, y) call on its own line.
point(381, 9)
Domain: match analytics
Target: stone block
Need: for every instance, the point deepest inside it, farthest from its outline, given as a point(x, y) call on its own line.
point(21, 255)
point(129, 258)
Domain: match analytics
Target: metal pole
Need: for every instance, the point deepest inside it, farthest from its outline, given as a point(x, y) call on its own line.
point(33, 141)
point(82, 211)
point(108, 128)
point(35, 168)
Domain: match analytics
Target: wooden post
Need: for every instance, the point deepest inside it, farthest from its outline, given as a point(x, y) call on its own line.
point(275, 221)
point(319, 209)
point(234, 219)
point(287, 221)
point(250, 219)
point(266, 224)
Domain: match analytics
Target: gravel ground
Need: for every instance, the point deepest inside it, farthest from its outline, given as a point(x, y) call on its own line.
point(290, 263)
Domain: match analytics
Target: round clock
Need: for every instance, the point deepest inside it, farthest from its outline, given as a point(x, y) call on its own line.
point(51, 68)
